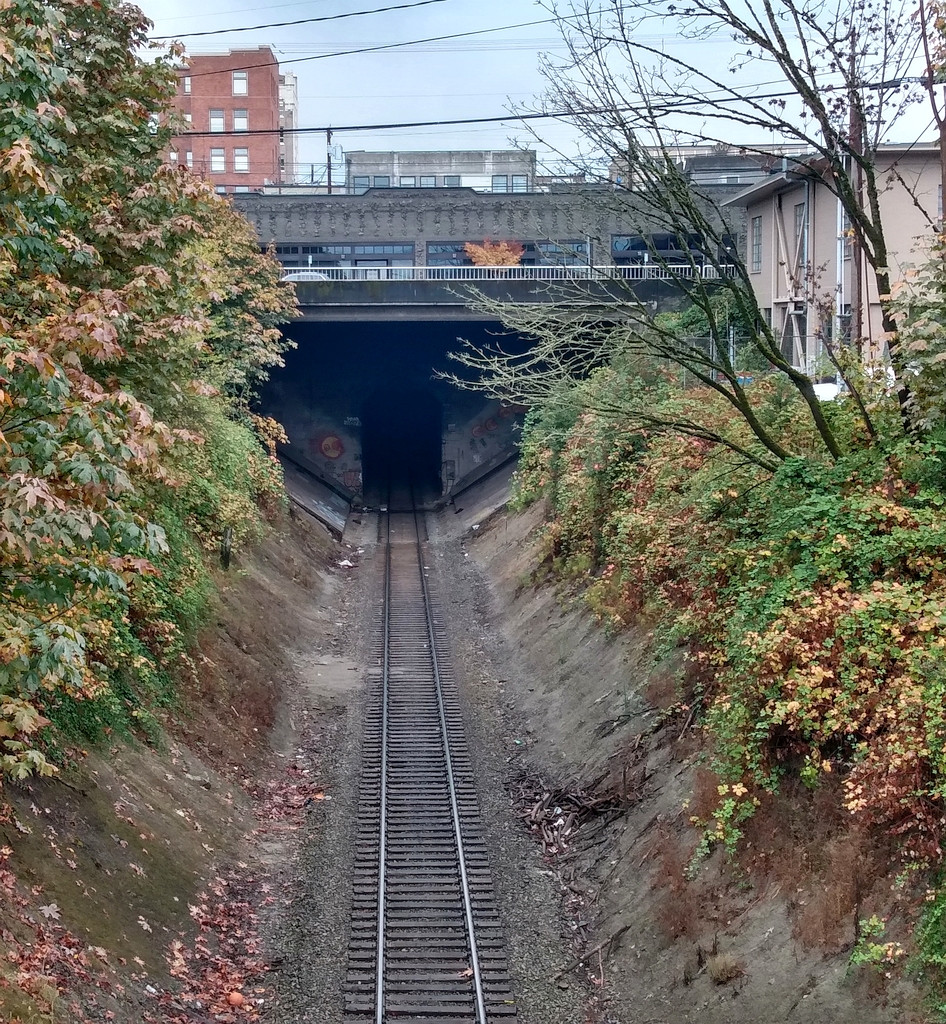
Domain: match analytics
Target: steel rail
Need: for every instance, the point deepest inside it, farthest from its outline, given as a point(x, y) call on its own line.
point(426, 942)
point(454, 807)
point(383, 798)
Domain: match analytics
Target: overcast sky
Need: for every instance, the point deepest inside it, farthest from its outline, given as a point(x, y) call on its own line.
point(481, 75)
point(478, 76)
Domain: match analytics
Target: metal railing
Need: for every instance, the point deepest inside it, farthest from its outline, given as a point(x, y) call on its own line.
point(627, 272)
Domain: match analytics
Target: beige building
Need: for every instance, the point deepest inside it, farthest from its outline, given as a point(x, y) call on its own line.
point(486, 170)
point(806, 270)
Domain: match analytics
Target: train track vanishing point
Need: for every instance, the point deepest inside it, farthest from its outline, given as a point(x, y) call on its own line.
point(425, 944)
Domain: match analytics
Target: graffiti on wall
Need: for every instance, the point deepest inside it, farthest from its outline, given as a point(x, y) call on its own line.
point(338, 457)
point(329, 446)
point(500, 418)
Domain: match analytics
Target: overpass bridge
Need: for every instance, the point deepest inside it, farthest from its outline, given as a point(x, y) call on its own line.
point(363, 397)
point(385, 299)
point(391, 293)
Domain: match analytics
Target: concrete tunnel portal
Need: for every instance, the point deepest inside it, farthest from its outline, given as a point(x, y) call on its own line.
point(363, 406)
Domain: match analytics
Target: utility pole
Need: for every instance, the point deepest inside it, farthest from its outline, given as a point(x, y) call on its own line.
point(934, 74)
point(942, 163)
point(856, 141)
point(328, 158)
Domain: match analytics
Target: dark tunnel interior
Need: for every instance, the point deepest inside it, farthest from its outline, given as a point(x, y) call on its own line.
point(401, 429)
point(378, 381)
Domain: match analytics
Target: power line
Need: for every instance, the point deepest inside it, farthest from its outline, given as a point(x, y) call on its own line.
point(302, 21)
point(384, 46)
point(370, 127)
point(240, 10)
point(667, 107)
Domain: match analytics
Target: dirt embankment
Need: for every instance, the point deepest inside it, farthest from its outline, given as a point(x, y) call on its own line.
point(766, 939)
point(130, 886)
point(156, 886)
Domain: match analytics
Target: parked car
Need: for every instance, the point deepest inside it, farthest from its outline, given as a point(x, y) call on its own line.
point(304, 275)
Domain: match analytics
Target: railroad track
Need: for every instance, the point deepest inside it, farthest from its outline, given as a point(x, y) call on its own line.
point(426, 944)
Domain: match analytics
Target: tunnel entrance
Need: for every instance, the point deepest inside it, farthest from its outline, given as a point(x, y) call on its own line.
point(401, 444)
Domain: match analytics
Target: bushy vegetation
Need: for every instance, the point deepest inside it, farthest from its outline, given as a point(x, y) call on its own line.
point(136, 317)
point(810, 600)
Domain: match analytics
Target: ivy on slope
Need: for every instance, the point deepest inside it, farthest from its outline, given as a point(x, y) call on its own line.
point(810, 602)
point(136, 318)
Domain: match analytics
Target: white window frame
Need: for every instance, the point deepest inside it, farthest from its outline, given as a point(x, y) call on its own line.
point(186, 85)
point(218, 161)
point(755, 245)
point(241, 83)
point(241, 120)
point(241, 160)
point(216, 119)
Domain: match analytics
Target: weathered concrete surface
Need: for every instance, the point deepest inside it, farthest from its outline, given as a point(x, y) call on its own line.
point(341, 300)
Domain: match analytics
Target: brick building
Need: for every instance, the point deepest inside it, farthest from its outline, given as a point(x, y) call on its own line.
point(222, 96)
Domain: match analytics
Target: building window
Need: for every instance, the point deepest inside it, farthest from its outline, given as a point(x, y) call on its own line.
point(241, 121)
point(186, 84)
point(451, 181)
point(240, 83)
point(221, 190)
point(189, 118)
point(566, 253)
point(383, 249)
point(241, 159)
point(520, 183)
point(360, 184)
point(845, 321)
point(217, 164)
point(216, 121)
point(410, 181)
point(172, 156)
point(382, 181)
point(755, 244)
point(500, 183)
point(189, 158)
point(799, 223)
point(241, 188)
point(428, 181)
point(447, 254)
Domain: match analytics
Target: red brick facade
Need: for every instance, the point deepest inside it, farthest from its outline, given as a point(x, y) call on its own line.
point(229, 94)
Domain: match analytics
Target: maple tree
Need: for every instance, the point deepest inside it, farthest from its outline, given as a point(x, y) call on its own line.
point(494, 254)
point(118, 315)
